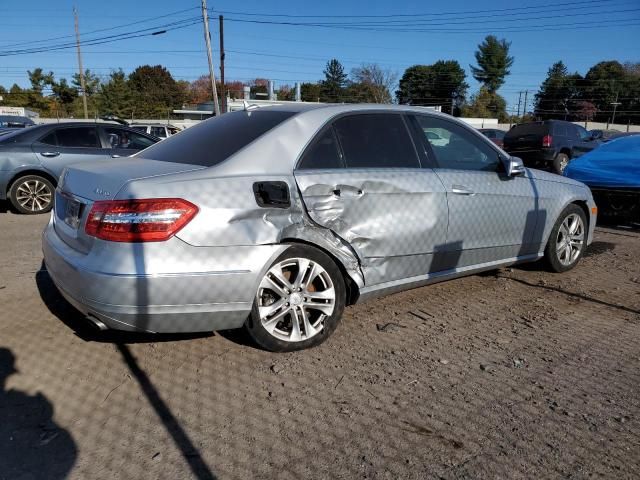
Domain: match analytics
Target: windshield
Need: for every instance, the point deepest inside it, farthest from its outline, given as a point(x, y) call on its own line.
point(215, 140)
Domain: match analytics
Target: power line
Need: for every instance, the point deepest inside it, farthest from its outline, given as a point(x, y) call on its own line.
point(101, 29)
point(155, 30)
point(499, 10)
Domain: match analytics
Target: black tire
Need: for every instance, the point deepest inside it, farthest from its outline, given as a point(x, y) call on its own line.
point(551, 255)
point(24, 200)
point(560, 163)
point(325, 325)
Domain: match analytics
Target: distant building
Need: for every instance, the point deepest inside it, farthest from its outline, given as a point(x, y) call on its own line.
point(19, 112)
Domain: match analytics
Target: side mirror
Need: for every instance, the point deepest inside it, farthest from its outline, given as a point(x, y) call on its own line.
point(515, 167)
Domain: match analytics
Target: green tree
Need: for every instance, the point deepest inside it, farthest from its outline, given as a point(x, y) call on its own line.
point(155, 92)
point(442, 83)
point(334, 83)
point(91, 82)
point(116, 97)
point(310, 92)
point(605, 83)
point(494, 63)
point(64, 95)
point(559, 94)
point(486, 104)
point(39, 81)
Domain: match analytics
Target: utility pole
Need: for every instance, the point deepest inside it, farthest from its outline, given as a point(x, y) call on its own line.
point(519, 100)
point(223, 91)
point(615, 106)
point(524, 107)
point(212, 76)
point(82, 83)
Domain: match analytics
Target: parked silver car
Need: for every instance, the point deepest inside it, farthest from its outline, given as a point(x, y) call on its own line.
point(277, 218)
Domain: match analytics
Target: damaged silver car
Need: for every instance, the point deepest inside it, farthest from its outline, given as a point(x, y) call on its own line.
point(277, 218)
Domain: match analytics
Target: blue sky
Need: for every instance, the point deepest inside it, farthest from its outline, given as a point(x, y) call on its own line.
point(595, 31)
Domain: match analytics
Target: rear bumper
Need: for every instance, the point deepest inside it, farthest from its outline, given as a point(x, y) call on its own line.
point(169, 302)
point(534, 157)
point(623, 203)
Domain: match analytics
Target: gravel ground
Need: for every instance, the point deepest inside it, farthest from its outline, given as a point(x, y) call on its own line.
point(516, 373)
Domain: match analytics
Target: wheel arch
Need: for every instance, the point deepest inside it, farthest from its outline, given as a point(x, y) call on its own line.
point(31, 171)
point(585, 208)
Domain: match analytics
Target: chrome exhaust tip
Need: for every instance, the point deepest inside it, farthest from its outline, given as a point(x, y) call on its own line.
point(97, 323)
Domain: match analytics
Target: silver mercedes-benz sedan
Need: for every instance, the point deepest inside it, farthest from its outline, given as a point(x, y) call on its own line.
point(277, 218)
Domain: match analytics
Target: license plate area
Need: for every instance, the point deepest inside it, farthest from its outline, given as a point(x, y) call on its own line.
point(72, 213)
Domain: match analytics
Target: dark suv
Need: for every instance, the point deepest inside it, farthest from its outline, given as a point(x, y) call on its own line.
point(551, 143)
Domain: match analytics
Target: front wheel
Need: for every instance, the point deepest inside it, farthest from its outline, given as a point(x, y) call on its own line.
point(32, 194)
point(567, 241)
point(299, 301)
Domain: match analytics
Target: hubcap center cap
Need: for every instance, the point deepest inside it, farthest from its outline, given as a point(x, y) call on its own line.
point(295, 299)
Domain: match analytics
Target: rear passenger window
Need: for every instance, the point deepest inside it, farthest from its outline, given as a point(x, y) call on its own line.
point(50, 139)
point(377, 140)
point(82, 137)
point(322, 153)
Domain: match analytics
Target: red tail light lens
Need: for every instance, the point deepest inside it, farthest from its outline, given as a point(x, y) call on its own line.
point(148, 220)
point(546, 140)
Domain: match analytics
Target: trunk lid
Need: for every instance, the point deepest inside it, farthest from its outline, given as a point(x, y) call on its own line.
point(84, 183)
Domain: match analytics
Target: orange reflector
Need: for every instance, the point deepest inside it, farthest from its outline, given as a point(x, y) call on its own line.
point(594, 210)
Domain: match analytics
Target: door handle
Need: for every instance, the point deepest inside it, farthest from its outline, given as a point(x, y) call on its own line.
point(347, 192)
point(461, 190)
point(49, 154)
point(116, 156)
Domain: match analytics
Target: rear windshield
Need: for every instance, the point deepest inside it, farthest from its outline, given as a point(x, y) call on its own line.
point(215, 140)
point(528, 129)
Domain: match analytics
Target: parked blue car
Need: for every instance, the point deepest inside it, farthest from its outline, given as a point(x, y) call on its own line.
point(612, 172)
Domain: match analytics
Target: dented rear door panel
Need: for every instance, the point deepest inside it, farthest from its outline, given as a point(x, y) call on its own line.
point(394, 219)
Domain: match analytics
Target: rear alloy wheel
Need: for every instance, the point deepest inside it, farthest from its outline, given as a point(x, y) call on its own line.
point(32, 194)
point(299, 301)
point(560, 163)
point(567, 241)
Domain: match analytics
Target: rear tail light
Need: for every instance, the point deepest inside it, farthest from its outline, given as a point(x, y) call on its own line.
point(546, 140)
point(148, 220)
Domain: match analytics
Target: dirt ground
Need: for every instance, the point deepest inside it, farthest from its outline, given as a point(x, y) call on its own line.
point(516, 373)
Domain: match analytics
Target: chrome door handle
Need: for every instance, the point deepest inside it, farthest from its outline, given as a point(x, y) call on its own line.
point(116, 156)
point(49, 154)
point(461, 190)
point(347, 192)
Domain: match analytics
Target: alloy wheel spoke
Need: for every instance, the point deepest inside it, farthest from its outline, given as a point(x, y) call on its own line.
point(295, 335)
point(326, 308)
point(573, 226)
point(309, 331)
point(267, 310)
point(303, 266)
point(328, 294)
point(270, 325)
point(279, 275)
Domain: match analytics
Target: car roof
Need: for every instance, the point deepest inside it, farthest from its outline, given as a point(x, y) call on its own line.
point(283, 144)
